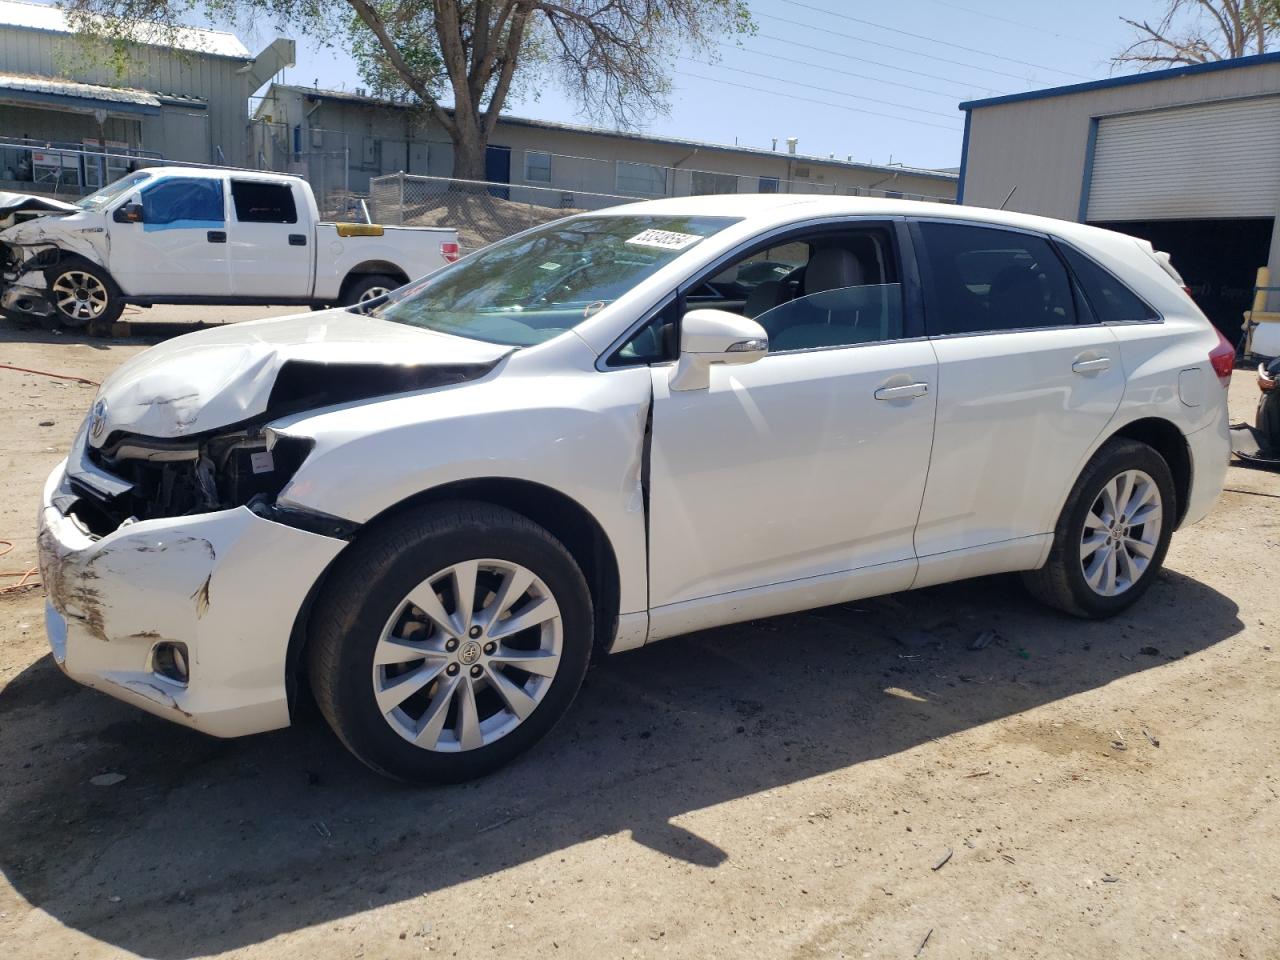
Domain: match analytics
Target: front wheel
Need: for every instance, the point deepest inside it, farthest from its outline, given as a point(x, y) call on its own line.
point(450, 641)
point(83, 293)
point(1112, 536)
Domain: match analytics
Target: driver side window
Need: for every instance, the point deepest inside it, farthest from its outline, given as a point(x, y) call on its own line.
point(832, 289)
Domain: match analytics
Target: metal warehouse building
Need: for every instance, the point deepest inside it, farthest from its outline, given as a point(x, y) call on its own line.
point(1188, 158)
point(183, 97)
point(384, 136)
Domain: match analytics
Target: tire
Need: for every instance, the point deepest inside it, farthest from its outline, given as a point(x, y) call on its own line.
point(89, 295)
point(1078, 577)
point(365, 624)
point(368, 287)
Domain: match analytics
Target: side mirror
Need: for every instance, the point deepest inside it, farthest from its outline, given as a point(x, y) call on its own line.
point(715, 336)
point(128, 213)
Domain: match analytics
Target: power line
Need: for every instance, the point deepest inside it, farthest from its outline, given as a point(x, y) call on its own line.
point(888, 46)
point(826, 69)
point(874, 63)
point(824, 103)
point(945, 43)
point(838, 93)
point(1018, 23)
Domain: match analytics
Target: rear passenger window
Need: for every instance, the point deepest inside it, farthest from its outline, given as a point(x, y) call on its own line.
point(258, 202)
point(1111, 300)
point(984, 279)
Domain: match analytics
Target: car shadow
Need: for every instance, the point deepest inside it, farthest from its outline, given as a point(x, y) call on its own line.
point(213, 845)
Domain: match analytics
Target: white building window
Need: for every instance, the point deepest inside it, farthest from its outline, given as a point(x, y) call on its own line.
point(641, 179)
point(537, 166)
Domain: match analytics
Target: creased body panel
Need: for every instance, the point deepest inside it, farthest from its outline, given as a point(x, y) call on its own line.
point(227, 584)
point(578, 432)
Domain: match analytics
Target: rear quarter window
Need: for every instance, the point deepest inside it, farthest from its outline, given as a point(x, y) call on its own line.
point(1109, 299)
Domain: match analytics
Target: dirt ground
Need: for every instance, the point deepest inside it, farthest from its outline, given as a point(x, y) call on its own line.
point(786, 788)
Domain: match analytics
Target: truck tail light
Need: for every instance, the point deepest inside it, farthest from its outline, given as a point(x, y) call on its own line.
point(1223, 359)
point(449, 250)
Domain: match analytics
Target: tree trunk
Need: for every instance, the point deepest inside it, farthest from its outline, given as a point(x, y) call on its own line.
point(468, 149)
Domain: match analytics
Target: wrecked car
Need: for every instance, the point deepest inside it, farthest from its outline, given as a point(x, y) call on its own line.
point(615, 429)
point(203, 236)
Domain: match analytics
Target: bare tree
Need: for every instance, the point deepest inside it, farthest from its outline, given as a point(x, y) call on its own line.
point(1199, 31)
point(614, 56)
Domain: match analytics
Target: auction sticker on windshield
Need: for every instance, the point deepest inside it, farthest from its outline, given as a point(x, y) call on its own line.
point(664, 239)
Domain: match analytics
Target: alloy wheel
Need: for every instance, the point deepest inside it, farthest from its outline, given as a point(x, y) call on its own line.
point(80, 296)
point(373, 293)
point(468, 655)
point(1121, 533)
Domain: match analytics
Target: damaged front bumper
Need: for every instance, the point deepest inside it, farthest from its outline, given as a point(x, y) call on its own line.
point(228, 585)
point(25, 299)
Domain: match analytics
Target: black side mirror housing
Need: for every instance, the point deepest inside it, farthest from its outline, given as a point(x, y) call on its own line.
point(128, 213)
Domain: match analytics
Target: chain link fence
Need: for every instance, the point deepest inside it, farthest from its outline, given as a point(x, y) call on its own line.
point(480, 211)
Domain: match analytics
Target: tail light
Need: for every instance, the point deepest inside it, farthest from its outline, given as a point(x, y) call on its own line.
point(1223, 359)
point(449, 250)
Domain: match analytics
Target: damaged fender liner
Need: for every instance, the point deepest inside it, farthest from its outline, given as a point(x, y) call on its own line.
point(310, 521)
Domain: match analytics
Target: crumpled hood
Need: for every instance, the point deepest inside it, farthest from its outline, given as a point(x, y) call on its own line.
point(225, 375)
point(14, 202)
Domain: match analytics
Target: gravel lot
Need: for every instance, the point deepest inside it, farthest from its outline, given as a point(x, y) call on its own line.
point(785, 788)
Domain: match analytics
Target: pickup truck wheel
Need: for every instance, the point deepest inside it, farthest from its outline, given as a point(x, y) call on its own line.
point(82, 293)
point(1112, 536)
point(363, 290)
point(449, 641)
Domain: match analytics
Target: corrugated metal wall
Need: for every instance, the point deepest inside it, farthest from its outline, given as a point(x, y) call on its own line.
point(212, 79)
point(1217, 160)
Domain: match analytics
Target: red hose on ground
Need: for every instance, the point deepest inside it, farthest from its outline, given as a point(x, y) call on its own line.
point(46, 373)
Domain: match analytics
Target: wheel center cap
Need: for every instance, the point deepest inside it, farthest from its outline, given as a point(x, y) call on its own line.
point(469, 652)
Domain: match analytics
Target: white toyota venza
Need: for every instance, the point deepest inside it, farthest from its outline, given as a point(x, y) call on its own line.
point(620, 427)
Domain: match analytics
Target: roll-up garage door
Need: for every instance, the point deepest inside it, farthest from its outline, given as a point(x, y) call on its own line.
point(1211, 161)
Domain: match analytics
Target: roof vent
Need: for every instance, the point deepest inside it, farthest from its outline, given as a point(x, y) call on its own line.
point(792, 143)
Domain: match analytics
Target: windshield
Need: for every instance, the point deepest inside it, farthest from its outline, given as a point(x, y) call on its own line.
point(530, 288)
point(96, 201)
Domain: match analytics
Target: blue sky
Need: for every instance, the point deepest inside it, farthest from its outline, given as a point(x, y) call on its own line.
point(883, 88)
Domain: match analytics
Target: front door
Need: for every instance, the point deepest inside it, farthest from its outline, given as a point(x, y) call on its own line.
point(795, 481)
point(1027, 381)
point(497, 169)
point(180, 247)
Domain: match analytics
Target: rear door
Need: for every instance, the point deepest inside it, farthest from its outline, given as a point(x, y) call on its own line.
point(270, 240)
point(1027, 380)
point(179, 249)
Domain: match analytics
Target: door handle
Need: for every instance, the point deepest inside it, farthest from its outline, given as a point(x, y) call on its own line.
point(908, 391)
point(217, 236)
point(297, 239)
point(1091, 366)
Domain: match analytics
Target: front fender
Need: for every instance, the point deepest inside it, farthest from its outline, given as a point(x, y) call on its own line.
point(578, 432)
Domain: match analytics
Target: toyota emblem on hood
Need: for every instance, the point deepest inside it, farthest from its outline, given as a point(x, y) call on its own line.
point(98, 421)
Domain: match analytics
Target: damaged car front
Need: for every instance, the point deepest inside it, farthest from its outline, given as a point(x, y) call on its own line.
point(172, 571)
point(35, 245)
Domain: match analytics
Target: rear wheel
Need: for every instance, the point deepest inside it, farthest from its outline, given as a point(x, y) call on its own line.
point(83, 293)
point(1112, 536)
point(364, 290)
point(450, 641)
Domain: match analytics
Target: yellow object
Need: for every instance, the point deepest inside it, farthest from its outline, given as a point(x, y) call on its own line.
point(361, 230)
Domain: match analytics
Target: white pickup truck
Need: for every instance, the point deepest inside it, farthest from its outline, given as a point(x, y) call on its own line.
point(204, 236)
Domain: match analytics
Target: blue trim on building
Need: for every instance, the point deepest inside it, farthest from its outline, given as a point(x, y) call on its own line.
point(1086, 181)
point(1196, 68)
point(964, 157)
